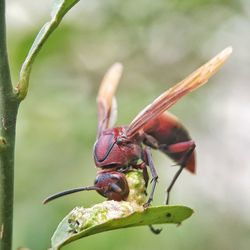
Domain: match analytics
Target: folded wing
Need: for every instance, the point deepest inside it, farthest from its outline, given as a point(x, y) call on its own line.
point(107, 108)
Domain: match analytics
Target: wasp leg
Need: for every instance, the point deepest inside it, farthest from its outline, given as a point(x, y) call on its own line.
point(142, 166)
point(150, 163)
point(183, 162)
point(155, 230)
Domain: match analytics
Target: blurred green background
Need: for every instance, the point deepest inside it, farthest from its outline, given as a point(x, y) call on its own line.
point(159, 42)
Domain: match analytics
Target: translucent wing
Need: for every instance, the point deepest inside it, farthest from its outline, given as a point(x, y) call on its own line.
point(107, 108)
point(171, 96)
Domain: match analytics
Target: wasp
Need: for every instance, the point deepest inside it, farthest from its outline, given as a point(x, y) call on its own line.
point(119, 149)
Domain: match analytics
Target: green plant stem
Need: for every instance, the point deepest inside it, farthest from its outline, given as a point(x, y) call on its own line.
point(10, 99)
point(8, 112)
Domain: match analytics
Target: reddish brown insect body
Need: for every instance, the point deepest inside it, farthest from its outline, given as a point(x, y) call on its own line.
point(121, 148)
point(113, 185)
point(111, 150)
point(171, 138)
point(116, 152)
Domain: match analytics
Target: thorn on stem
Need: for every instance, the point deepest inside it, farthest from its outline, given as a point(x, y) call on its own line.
point(1, 231)
point(3, 143)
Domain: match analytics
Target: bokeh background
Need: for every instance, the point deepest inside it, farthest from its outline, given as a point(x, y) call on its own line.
point(159, 42)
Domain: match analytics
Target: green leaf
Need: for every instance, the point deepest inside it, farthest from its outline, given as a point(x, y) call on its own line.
point(59, 9)
point(111, 215)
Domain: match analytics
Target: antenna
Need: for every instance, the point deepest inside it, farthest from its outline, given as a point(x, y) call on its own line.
point(70, 191)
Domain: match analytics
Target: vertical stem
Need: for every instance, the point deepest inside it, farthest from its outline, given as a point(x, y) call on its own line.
point(8, 112)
